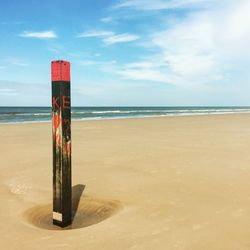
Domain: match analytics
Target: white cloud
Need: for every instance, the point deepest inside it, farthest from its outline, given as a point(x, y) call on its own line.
point(7, 92)
point(96, 33)
point(17, 62)
point(109, 37)
point(40, 35)
point(159, 4)
point(205, 47)
point(188, 47)
point(120, 38)
point(105, 66)
point(88, 62)
point(147, 70)
point(107, 19)
point(26, 94)
point(11, 22)
point(237, 21)
point(144, 74)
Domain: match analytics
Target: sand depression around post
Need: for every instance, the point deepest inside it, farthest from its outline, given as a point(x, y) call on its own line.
point(90, 211)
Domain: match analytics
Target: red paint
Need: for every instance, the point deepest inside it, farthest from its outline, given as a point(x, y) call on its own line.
point(56, 121)
point(58, 139)
point(60, 70)
point(55, 104)
point(65, 102)
point(67, 149)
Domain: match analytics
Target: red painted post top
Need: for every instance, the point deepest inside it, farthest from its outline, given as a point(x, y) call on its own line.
point(60, 70)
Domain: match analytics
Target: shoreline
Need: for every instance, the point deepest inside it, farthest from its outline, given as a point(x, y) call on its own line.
point(132, 117)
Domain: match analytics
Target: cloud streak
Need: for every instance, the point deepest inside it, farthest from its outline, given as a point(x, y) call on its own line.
point(39, 35)
point(28, 94)
point(8, 92)
point(109, 37)
point(147, 70)
point(96, 33)
point(160, 4)
point(17, 62)
point(120, 38)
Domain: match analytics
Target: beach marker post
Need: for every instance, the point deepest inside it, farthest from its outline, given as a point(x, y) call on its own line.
point(61, 129)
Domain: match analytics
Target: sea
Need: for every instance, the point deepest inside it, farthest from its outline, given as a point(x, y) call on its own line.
point(43, 114)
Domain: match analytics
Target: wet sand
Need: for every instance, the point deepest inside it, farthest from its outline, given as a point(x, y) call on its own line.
point(152, 183)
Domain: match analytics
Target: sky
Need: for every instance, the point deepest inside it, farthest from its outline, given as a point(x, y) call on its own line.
point(127, 52)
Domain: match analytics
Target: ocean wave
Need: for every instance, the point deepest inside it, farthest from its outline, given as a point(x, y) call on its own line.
point(42, 114)
point(25, 115)
point(158, 111)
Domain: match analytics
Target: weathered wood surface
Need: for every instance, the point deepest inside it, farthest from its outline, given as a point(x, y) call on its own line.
point(61, 119)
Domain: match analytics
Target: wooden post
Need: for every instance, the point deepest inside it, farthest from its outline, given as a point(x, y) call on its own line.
point(61, 124)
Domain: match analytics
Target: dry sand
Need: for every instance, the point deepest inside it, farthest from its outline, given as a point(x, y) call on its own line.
point(153, 183)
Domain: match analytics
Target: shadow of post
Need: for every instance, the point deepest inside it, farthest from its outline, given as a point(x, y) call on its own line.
point(77, 191)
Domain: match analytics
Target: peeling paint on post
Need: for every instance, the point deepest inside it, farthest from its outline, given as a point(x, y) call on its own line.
point(61, 126)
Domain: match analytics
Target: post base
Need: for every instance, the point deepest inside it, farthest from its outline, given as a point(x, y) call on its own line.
point(62, 223)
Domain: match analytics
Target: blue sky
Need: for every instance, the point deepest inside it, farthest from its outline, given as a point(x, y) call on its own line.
point(127, 52)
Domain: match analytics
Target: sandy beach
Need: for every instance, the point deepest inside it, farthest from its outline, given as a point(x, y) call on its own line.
point(151, 183)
